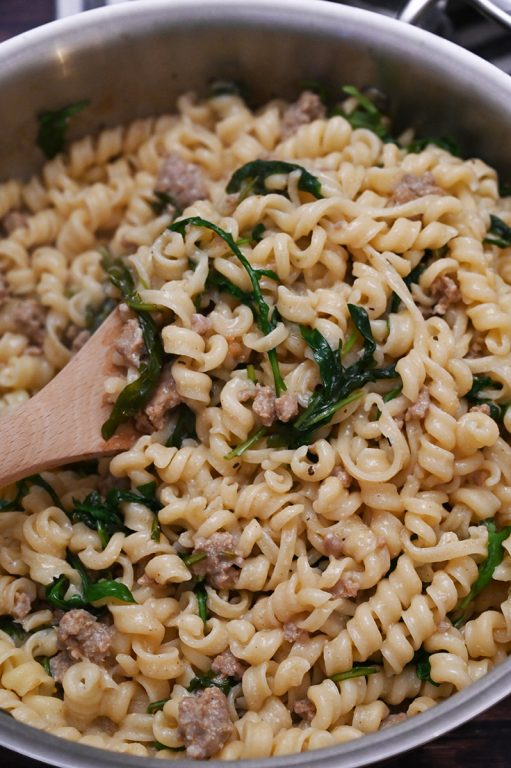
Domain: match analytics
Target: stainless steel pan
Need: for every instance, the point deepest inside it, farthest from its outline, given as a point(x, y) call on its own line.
point(133, 60)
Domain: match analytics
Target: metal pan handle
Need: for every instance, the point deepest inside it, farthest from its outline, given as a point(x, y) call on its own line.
point(415, 11)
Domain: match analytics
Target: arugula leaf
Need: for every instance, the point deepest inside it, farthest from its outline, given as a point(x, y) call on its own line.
point(51, 134)
point(161, 201)
point(13, 629)
point(96, 514)
point(192, 558)
point(363, 669)
point(202, 601)
point(103, 514)
point(340, 385)
point(392, 394)
point(260, 309)
point(44, 661)
point(423, 666)
point(55, 593)
point(504, 189)
point(184, 427)
point(480, 383)
point(136, 394)
point(411, 279)
point(209, 679)
point(254, 174)
point(159, 746)
point(500, 231)
point(94, 317)
point(258, 232)
point(23, 487)
point(366, 114)
point(248, 443)
point(486, 568)
point(156, 706)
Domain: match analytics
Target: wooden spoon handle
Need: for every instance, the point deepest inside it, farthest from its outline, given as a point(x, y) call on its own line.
point(62, 423)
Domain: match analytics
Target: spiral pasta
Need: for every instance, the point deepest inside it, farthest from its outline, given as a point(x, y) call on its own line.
point(308, 540)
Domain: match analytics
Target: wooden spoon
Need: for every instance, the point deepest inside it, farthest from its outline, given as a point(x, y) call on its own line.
point(62, 423)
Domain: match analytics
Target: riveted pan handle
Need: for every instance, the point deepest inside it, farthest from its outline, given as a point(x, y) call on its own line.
point(416, 11)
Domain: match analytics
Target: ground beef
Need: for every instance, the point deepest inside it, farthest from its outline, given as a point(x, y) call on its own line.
point(130, 343)
point(447, 291)
point(164, 398)
point(305, 709)
point(483, 408)
point(333, 545)
point(29, 317)
point(200, 324)
point(286, 407)
point(345, 587)
point(411, 187)
point(14, 220)
point(307, 108)
point(264, 406)
point(22, 605)
point(204, 723)
point(184, 182)
point(222, 560)
point(59, 665)
point(227, 665)
point(83, 637)
point(293, 633)
point(420, 408)
point(401, 717)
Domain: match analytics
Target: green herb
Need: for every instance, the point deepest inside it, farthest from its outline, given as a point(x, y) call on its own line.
point(193, 557)
point(260, 309)
point(23, 487)
point(202, 601)
point(44, 661)
point(254, 174)
point(350, 342)
point(423, 666)
point(209, 679)
point(161, 202)
point(98, 515)
point(486, 569)
point(474, 397)
point(94, 317)
point(103, 514)
point(504, 189)
point(258, 232)
point(53, 124)
point(392, 394)
point(13, 629)
point(358, 670)
point(184, 427)
point(340, 385)
point(159, 746)
point(248, 443)
point(444, 142)
point(500, 231)
point(55, 593)
point(411, 279)
point(136, 394)
point(251, 374)
point(365, 115)
point(156, 706)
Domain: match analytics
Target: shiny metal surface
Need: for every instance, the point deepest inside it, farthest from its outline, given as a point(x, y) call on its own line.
point(133, 60)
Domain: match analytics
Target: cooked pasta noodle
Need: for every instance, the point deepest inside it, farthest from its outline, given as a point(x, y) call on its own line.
point(273, 589)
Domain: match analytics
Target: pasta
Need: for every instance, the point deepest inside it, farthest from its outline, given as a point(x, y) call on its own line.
point(308, 541)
